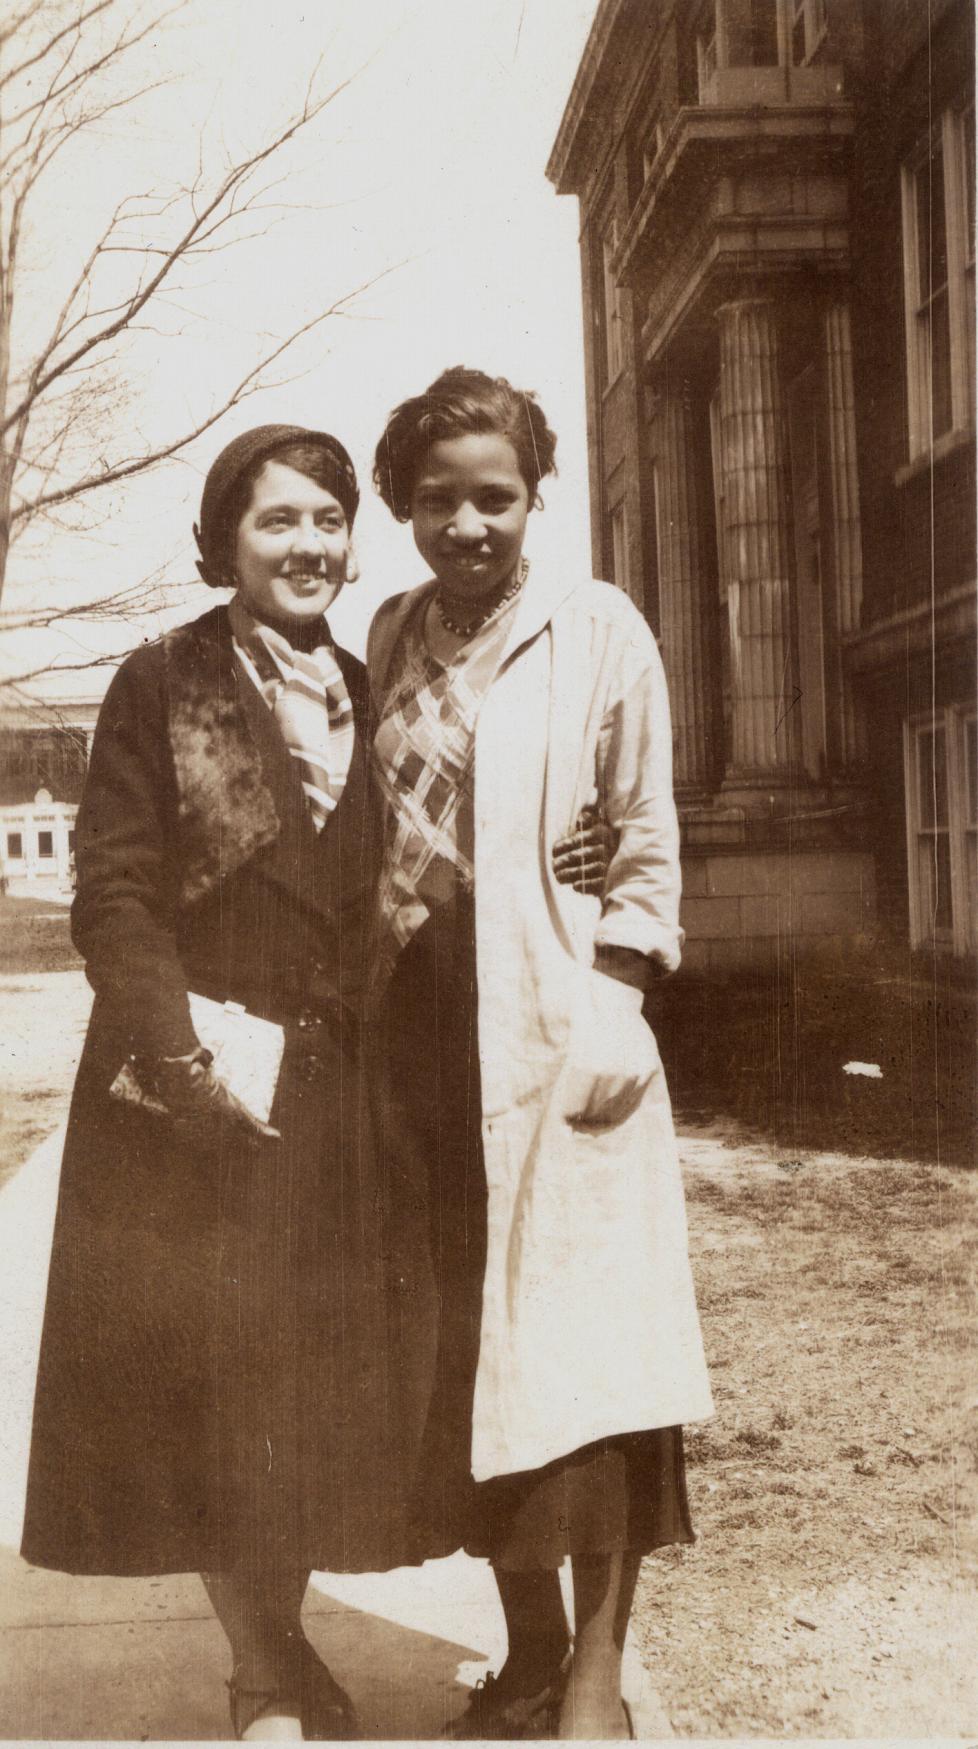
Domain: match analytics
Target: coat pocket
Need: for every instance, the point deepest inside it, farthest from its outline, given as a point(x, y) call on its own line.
point(611, 1056)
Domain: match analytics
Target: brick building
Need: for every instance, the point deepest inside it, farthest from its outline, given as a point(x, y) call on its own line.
point(777, 235)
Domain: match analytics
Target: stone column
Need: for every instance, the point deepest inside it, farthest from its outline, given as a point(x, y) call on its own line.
point(685, 591)
point(844, 537)
point(757, 543)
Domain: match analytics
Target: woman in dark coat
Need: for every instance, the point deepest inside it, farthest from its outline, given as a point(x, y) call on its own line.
point(213, 1392)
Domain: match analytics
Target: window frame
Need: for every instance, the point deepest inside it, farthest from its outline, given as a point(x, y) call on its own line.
point(954, 720)
point(948, 138)
point(652, 139)
point(613, 349)
point(812, 15)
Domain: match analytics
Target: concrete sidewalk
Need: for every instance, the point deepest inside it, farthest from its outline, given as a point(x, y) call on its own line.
point(144, 1659)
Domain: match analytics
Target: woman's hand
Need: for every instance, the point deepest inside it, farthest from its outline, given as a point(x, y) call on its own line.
point(581, 859)
point(201, 1105)
point(612, 1054)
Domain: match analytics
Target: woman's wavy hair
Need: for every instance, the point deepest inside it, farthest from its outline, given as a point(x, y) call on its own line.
point(458, 403)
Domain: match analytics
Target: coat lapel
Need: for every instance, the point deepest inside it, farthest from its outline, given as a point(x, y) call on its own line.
point(226, 811)
point(240, 792)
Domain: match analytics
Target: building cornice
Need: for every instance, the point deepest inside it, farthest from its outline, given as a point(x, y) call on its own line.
point(717, 138)
point(578, 110)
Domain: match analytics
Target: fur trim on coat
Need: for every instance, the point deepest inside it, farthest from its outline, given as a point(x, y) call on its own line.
point(226, 810)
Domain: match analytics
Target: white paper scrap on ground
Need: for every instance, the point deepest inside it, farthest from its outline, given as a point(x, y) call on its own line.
point(872, 1071)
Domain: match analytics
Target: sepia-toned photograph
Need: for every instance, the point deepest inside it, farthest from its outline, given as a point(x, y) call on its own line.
point(488, 871)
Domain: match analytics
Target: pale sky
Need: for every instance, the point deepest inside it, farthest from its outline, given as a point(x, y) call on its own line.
point(430, 163)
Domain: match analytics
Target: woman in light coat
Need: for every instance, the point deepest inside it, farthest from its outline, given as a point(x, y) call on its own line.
point(527, 1121)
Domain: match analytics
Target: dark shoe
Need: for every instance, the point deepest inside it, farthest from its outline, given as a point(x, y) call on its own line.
point(492, 1712)
point(248, 1705)
point(328, 1714)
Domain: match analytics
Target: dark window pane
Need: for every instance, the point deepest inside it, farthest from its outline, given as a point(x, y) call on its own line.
point(940, 364)
point(942, 908)
point(931, 228)
point(798, 40)
point(764, 33)
point(15, 844)
point(969, 177)
point(971, 768)
point(932, 778)
point(45, 844)
point(935, 881)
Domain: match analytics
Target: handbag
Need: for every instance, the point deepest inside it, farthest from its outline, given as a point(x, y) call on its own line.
point(247, 1052)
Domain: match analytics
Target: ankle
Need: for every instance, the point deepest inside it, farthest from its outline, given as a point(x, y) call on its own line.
point(533, 1664)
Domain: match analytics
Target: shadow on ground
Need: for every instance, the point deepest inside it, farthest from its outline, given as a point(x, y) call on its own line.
point(137, 1659)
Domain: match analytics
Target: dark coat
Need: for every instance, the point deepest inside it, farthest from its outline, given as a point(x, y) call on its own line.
point(214, 1367)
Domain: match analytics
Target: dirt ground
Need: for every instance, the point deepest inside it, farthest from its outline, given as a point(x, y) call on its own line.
point(831, 1592)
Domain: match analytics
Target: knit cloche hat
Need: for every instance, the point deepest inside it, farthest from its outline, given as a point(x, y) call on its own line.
point(212, 533)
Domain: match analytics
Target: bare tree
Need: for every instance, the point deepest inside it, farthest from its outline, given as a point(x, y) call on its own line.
point(66, 66)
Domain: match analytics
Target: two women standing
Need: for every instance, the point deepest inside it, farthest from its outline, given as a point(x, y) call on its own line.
point(271, 1348)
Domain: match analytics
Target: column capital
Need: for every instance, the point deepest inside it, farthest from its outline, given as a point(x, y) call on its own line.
point(754, 301)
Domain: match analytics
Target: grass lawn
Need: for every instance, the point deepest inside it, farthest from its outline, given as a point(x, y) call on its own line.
point(35, 937)
point(832, 1588)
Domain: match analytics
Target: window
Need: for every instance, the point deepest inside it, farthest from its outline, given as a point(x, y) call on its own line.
point(807, 29)
point(939, 281)
point(71, 841)
point(619, 545)
point(706, 56)
point(611, 302)
point(15, 844)
point(941, 770)
point(45, 844)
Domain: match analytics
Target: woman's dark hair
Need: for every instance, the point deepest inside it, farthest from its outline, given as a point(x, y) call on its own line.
point(458, 403)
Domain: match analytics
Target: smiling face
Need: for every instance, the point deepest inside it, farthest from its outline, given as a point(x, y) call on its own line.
point(291, 547)
point(469, 508)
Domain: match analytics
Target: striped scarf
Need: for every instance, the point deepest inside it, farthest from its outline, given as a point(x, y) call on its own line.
point(307, 695)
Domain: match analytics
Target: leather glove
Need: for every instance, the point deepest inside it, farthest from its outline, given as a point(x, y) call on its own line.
point(582, 857)
point(201, 1105)
point(612, 1054)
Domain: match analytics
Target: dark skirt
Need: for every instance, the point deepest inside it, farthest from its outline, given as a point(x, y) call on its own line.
point(627, 1492)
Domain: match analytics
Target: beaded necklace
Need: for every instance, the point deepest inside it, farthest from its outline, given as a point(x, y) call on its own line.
point(465, 628)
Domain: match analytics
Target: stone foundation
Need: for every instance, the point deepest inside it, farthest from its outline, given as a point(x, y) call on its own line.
point(751, 908)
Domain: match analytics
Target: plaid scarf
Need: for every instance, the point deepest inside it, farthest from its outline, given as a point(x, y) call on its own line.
point(307, 695)
point(424, 762)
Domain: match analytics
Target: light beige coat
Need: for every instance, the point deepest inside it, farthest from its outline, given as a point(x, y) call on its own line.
point(589, 1322)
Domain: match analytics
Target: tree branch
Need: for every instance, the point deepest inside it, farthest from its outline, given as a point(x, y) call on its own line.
point(52, 42)
point(235, 176)
point(249, 384)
